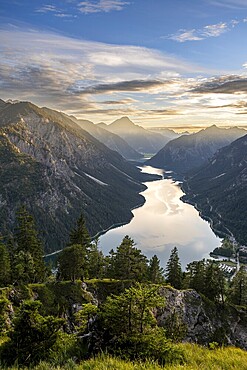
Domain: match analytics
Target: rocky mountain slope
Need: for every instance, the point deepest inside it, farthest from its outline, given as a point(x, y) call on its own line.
point(204, 322)
point(219, 189)
point(58, 170)
point(189, 152)
point(142, 140)
point(166, 132)
point(111, 140)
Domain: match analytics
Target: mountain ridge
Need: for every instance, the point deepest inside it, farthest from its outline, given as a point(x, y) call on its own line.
point(189, 152)
point(142, 140)
point(219, 190)
point(75, 173)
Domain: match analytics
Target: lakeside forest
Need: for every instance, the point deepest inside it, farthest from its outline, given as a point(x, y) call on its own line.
point(118, 308)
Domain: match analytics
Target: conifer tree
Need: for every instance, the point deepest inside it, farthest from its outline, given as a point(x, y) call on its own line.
point(214, 287)
point(96, 263)
point(195, 277)
point(72, 263)
point(80, 234)
point(128, 263)
point(155, 273)
point(238, 290)
point(5, 268)
point(27, 241)
point(32, 337)
point(173, 270)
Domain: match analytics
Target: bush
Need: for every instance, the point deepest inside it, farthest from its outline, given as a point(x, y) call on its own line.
point(152, 346)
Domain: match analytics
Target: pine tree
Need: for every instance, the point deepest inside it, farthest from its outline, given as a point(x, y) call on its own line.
point(32, 336)
point(72, 263)
point(128, 263)
point(238, 290)
point(130, 312)
point(96, 261)
point(23, 268)
point(5, 268)
point(155, 273)
point(173, 270)
point(195, 277)
point(214, 287)
point(27, 241)
point(80, 234)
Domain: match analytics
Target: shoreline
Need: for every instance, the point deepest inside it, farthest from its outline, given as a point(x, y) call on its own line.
point(116, 225)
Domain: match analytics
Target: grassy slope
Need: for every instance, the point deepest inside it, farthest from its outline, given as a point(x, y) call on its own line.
point(196, 358)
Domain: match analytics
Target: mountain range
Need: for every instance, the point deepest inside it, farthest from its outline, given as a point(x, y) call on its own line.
point(189, 152)
point(111, 140)
point(58, 170)
point(144, 141)
point(219, 190)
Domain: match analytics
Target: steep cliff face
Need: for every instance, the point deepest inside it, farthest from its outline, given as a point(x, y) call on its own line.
point(204, 321)
point(189, 152)
point(59, 170)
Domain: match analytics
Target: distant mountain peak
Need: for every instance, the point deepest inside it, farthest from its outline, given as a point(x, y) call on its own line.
point(123, 122)
point(212, 128)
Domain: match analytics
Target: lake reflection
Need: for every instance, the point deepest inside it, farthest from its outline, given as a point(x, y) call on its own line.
point(163, 222)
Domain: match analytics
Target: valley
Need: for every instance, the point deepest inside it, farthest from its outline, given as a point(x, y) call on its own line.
point(163, 222)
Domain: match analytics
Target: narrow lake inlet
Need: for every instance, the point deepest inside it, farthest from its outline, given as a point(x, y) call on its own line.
point(163, 222)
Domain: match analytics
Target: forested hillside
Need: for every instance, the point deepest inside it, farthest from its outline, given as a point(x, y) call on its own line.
point(219, 190)
point(59, 170)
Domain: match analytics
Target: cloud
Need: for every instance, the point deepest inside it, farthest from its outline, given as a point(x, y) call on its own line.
point(47, 9)
point(70, 74)
point(101, 6)
point(223, 85)
point(130, 86)
point(230, 4)
point(212, 30)
point(132, 111)
point(183, 35)
point(118, 102)
point(57, 12)
point(90, 79)
point(238, 105)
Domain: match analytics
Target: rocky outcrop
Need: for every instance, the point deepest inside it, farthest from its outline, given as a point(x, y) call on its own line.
point(203, 320)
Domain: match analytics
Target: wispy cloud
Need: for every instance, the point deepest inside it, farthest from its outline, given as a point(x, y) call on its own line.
point(55, 11)
point(100, 6)
point(68, 74)
point(119, 102)
point(212, 30)
point(100, 81)
point(48, 9)
point(230, 4)
point(130, 86)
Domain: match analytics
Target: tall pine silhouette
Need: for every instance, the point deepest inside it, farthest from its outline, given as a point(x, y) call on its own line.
point(173, 270)
point(28, 243)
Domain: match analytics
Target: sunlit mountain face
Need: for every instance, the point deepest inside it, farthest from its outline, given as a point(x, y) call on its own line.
point(171, 64)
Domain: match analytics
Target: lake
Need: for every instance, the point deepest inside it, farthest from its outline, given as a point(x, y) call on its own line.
point(163, 222)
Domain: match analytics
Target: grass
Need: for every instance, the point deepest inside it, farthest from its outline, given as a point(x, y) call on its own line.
point(196, 357)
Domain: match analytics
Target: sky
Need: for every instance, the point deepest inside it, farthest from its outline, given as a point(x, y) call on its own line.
point(160, 62)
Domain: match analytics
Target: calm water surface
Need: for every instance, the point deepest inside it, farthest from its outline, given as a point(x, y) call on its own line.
point(163, 222)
